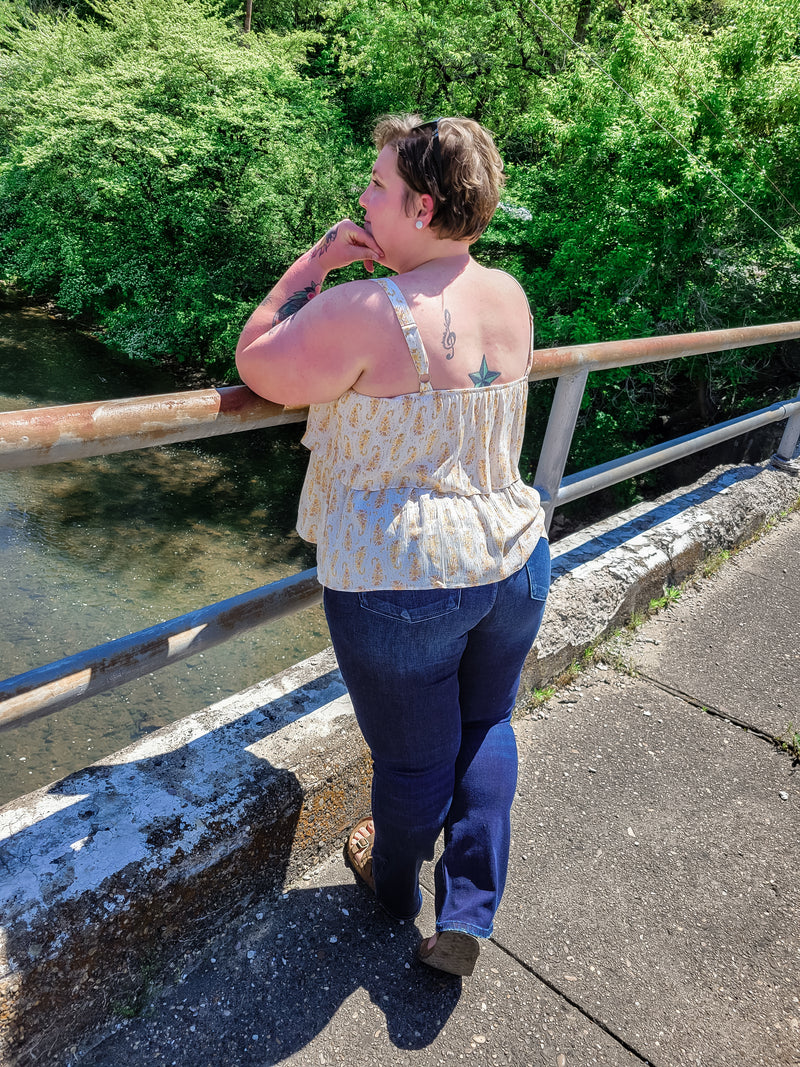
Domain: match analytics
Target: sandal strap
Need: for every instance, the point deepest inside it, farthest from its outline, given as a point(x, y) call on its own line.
point(359, 853)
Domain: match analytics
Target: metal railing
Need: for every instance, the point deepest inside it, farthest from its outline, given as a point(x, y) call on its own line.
point(76, 431)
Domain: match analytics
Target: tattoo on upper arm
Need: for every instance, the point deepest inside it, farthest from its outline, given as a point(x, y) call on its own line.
point(484, 376)
point(448, 337)
point(322, 246)
point(295, 302)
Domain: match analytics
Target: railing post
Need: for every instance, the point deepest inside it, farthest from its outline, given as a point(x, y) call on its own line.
point(558, 438)
point(786, 449)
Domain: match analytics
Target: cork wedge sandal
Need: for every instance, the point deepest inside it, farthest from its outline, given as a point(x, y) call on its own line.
point(358, 851)
point(453, 951)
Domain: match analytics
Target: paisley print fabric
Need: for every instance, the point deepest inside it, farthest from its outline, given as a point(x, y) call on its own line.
point(419, 491)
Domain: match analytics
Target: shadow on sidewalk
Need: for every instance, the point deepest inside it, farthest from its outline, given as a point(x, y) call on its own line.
point(281, 980)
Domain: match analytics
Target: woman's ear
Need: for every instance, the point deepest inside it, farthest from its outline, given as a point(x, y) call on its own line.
point(424, 209)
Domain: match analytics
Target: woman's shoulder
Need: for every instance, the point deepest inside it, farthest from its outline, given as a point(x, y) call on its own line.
point(475, 281)
point(352, 308)
point(363, 292)
point(506, 283)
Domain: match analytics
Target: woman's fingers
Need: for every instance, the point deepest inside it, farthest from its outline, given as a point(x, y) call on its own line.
point(345, 243)
point(361, 237)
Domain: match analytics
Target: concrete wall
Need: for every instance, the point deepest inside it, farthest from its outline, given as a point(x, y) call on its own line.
point(111, 873)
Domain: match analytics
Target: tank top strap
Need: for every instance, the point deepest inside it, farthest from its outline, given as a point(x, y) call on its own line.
point(410, 331)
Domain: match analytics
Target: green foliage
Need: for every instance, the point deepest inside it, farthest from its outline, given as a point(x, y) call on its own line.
point(629, 234)
point(156, 174)
point(790, 742)
point(158, 170)
point(671, 595)
point(472, 57)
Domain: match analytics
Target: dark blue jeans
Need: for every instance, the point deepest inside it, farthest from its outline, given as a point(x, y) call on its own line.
point(433, 675)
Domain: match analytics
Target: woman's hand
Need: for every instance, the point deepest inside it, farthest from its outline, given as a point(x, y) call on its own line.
point(346, 243)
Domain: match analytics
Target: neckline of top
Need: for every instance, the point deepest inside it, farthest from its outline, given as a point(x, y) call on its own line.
point(478, 390)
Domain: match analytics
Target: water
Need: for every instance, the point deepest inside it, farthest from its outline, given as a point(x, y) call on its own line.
point(94, 549)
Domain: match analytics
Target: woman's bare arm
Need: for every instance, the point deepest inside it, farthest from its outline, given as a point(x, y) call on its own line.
point(279, 353)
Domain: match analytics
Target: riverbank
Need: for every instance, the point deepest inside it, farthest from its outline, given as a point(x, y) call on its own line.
point(178, 375)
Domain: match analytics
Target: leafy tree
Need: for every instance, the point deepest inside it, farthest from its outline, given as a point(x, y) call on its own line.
point(158, 170)
point(472, 57)
point(630, 233)
point(157, 175)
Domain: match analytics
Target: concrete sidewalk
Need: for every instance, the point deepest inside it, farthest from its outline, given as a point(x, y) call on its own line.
point(652, 914)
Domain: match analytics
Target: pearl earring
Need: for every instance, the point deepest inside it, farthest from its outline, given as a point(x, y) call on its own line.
point(418, 224)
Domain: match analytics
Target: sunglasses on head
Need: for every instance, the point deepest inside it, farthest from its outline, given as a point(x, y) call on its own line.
point(433, 144)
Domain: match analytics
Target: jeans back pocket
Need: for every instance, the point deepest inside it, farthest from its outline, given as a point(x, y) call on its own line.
point(411, 605)
point(538, 568)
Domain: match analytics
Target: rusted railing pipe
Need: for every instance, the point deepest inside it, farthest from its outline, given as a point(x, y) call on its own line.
point(549, 362)
point(76, 431)
point(36, 436)
point(44, 690)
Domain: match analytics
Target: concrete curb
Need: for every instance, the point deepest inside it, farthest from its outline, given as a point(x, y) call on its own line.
point(113, 872)
point(602, 576)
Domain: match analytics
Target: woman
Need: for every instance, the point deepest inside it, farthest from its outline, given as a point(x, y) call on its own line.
point(431, 550)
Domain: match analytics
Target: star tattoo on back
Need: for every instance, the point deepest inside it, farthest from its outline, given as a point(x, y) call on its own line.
point(484, 376)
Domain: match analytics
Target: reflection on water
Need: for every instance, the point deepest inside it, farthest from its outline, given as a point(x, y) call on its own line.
point(94, 549)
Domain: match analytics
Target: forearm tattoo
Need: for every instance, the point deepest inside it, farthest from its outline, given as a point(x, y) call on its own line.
point(448, 337)
point(322, 246)
point(295, 302)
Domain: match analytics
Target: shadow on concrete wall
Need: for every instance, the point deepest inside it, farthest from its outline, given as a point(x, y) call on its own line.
point(116, 870)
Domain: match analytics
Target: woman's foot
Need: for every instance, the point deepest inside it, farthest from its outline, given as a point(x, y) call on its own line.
point(358, 850)
point(451, 951)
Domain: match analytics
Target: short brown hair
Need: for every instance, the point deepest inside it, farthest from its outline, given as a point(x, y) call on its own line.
point(464, 176)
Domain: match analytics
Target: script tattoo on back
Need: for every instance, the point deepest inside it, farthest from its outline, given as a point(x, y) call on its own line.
point(448, 337)
point(294, 303)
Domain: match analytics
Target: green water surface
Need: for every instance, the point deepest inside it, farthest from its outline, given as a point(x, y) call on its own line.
point(94, 549)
